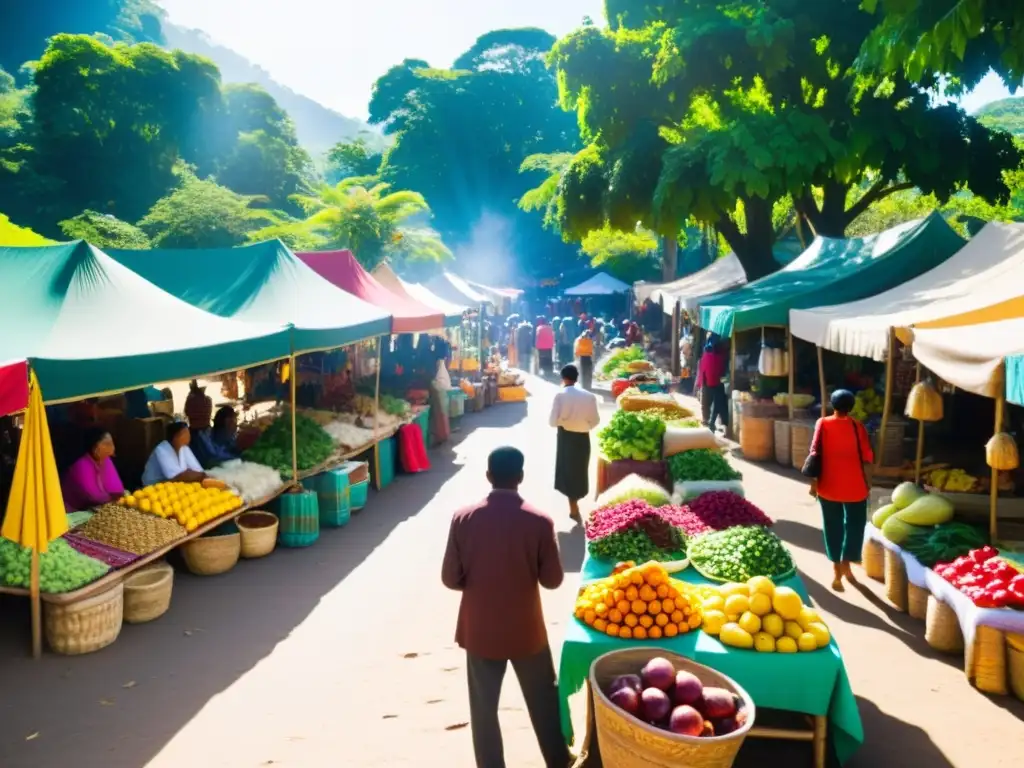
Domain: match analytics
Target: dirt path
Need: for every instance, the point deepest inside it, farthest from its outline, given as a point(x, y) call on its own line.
point(342, 654)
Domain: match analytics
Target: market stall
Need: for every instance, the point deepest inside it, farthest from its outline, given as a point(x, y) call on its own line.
point(13, 386)
point(387, 277)
point(721, 275)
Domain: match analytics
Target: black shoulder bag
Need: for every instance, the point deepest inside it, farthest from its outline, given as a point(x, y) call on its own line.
point(812, 464)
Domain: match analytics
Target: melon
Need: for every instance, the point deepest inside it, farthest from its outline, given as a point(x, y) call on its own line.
point(905, 494)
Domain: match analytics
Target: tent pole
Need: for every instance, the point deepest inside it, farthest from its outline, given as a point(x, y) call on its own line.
point(731, 431)
point(376, 411)
point(295, 433)
point(887, 403)
point(792, 369)
point(993, 494)
point(37, 624)
point(676, 332)
point(821, 381)
point(920, 435)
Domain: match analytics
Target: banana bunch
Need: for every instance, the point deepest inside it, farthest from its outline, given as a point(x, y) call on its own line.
point(956, 480)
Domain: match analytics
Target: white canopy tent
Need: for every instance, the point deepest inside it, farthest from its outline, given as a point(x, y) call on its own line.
point(601, 284)
point(721, 275)
point(971, 357)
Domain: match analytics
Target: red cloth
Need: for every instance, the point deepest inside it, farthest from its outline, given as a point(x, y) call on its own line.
point(712, 368)
point(411, 450)
point(842, 473)
point(545, 337)
point(13, 387)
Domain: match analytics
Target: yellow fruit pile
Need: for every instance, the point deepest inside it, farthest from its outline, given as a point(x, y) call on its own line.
point(190, 504)
point(639, 603)
point(764, 617)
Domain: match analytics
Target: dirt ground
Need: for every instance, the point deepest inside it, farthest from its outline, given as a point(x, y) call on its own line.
point(342, 654)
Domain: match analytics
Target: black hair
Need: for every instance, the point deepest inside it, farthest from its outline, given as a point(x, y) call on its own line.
point(843, 401)
point(174, 428)
point(222, 415)
point(570, 373)
point(92, 437)
point(505, 467)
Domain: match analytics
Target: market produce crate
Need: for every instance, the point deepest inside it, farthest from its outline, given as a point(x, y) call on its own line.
point(611, 472)
point(511, 394)
point(214, 553)
point(385, 459)
point(147, 593)
point(758, 438)
point(86, 625)
point(456, 403)
point(332, 496)
point(358, 483)
point(299, 515)
point(422, 420)
point(476, 404)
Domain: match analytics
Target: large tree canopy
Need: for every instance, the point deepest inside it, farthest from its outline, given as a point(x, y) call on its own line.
point(460, 136)
point(719, 111)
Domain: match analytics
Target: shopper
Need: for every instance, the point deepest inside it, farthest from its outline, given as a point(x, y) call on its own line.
point(500, 551)
point(585, 354)
point(574, 414)
point(714, 404)
point(545, 342)
point(839, 452)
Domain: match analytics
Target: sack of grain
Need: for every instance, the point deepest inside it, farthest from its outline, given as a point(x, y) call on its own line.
point(679, 439)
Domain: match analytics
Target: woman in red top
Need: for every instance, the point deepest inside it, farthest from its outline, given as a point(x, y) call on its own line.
point(842, 445)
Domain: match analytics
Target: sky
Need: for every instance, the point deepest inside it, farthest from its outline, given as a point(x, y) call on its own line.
point(333, 50)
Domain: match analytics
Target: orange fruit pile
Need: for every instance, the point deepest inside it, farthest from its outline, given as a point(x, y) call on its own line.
point(639, 603)
point(190, 504)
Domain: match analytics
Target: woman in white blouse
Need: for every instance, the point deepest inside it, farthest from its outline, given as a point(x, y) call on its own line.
point(173, 459)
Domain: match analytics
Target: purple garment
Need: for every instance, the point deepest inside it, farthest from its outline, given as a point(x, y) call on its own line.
point(87, 485)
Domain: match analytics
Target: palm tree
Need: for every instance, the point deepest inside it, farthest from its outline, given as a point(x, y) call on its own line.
point(360, 214)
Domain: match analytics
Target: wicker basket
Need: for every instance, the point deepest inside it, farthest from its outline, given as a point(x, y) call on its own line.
point(258, 530)
point(917, 601)
point(872, 557)
point(783, 450)
point(895, 580)
point(800, 435)
point(87, 625)
point(626, 742)
point(210, 555)
point(1015, 663)
point(985, 661)
point(757, 441)
point(147, 593)
point(941, 628)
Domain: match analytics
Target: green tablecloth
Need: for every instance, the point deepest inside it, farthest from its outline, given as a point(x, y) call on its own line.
point(812, 683)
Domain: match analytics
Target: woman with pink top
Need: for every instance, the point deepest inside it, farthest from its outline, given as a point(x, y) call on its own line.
point(545, 342)
point(93, 479)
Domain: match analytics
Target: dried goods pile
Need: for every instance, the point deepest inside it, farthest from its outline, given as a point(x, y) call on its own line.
point(130, 529)
point(190, 504)
point(740, 553)
point(252, 481)
point(348, 435)
point(61, 567)
point(273, 448)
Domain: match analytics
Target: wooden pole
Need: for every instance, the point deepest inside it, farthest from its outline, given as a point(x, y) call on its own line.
point(732, 432)
point(37, 607)
point(821, 382)
point(376, 411)
point(993, 494)
point(890, 364)
point(792, 369)
point(292, 376)
point(920, 435)
point(676, 333)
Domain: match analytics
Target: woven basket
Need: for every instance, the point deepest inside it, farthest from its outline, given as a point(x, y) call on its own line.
point(892, 445)
point(87, 625)
point(627, 742)
point(872, 557)
point(895, 580)
point(258, 530)
point(800, 435)
point(917, 601)
point(783, 449)
point(210, 555)
point(986, 661)
point(1015, 663)
point(147, 593)
point(941, 628)
point(757, 441)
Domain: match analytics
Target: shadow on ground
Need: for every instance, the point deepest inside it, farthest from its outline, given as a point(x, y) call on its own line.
point(121, 705)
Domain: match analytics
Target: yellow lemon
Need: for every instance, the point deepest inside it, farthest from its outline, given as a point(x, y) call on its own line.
point(750, 623)
point(145, 506)
point(714, 603)
point(713, 622)
point(760, 604)
point(761, 585)
point(787, 603)
point(764, 642)
point(786, 645)
point(773, 625)
point(807, 642)
point(733, 588)
point(191, 525)
point(793, 630)
point(821, 634)
point(158, 509)
point(736, 636)
point(737, 603)
point(807, 617)
point(131, 501)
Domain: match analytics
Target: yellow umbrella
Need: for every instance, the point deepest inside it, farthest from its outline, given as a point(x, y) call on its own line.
point(35, 509)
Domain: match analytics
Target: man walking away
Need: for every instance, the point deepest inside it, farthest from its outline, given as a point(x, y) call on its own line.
point(585, 353)
point(574, 414)
point(714, 404)
point(500, 551)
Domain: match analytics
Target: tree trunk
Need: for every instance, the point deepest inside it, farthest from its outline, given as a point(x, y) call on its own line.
point(669, 259)
point(753, 248)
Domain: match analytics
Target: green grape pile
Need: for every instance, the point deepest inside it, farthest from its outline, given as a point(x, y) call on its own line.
point(61, 568)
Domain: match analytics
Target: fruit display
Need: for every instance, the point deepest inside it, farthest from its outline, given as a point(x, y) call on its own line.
point(701, 464)
point(867, 403)
point(953, 480)
point(130, 530)
point(251, 481)
point(633, 487)
point(719, 510)
point(740, 553)
point(943, 543)
point(273, 448)
point(617, 363)
point(634, 530)
point(677, 701)
point(190, 504)
point(987, 579)
point(909, 510)
point(61, 567)
point(394, 406)
point(760, 616)
point(799, 400)
point(632, 435)
point(639, 602)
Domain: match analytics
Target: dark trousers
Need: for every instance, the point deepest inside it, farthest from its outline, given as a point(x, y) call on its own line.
point(842, 523)
point(714, 404)
point(545, 360)
point(587, 371)
point(536, 676)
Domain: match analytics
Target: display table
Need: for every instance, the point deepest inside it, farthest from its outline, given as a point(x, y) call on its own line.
point(811, 683)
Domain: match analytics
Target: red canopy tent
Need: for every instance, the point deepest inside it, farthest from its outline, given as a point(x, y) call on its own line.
point(342, 269)
point(13, 386)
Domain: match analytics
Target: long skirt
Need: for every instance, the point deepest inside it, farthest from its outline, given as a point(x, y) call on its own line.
point(572, 464)
point(440, 428)
point(587, 372)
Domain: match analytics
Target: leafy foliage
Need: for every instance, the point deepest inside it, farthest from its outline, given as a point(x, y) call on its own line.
point(104, 231)
point(352, 158)
point(1004, 115)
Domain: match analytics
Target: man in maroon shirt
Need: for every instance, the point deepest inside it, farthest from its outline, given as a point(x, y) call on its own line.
point(500, 552)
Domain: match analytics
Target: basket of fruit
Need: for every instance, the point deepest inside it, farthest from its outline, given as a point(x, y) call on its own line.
point(147, 593)
point(212, 554)
point(657, 709)
point(259, 533)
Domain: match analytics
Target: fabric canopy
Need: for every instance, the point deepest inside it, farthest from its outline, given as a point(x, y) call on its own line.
point(387, 277)
point(13, 386)
point(982, 283)
point(971, 357)
point(831, 271)
point(262, 283)
point(454, 289)
point(723, 274)
point(89, 325)
point(341, 268)
point(601, 284)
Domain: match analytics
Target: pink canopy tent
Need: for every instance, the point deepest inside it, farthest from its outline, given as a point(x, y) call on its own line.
point(13, 386)
point(342, 269)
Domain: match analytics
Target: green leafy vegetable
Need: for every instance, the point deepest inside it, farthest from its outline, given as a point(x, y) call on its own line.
point(701, 464)
point(274, 447)
point(944, 543)
point(615, 364)
point(632, 435)
point(740, 553)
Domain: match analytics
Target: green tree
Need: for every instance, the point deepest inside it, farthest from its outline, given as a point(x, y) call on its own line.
point(1003, 115)
point(362, 215)
point(203, 214)
point(104, 231)
point(355, 157)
